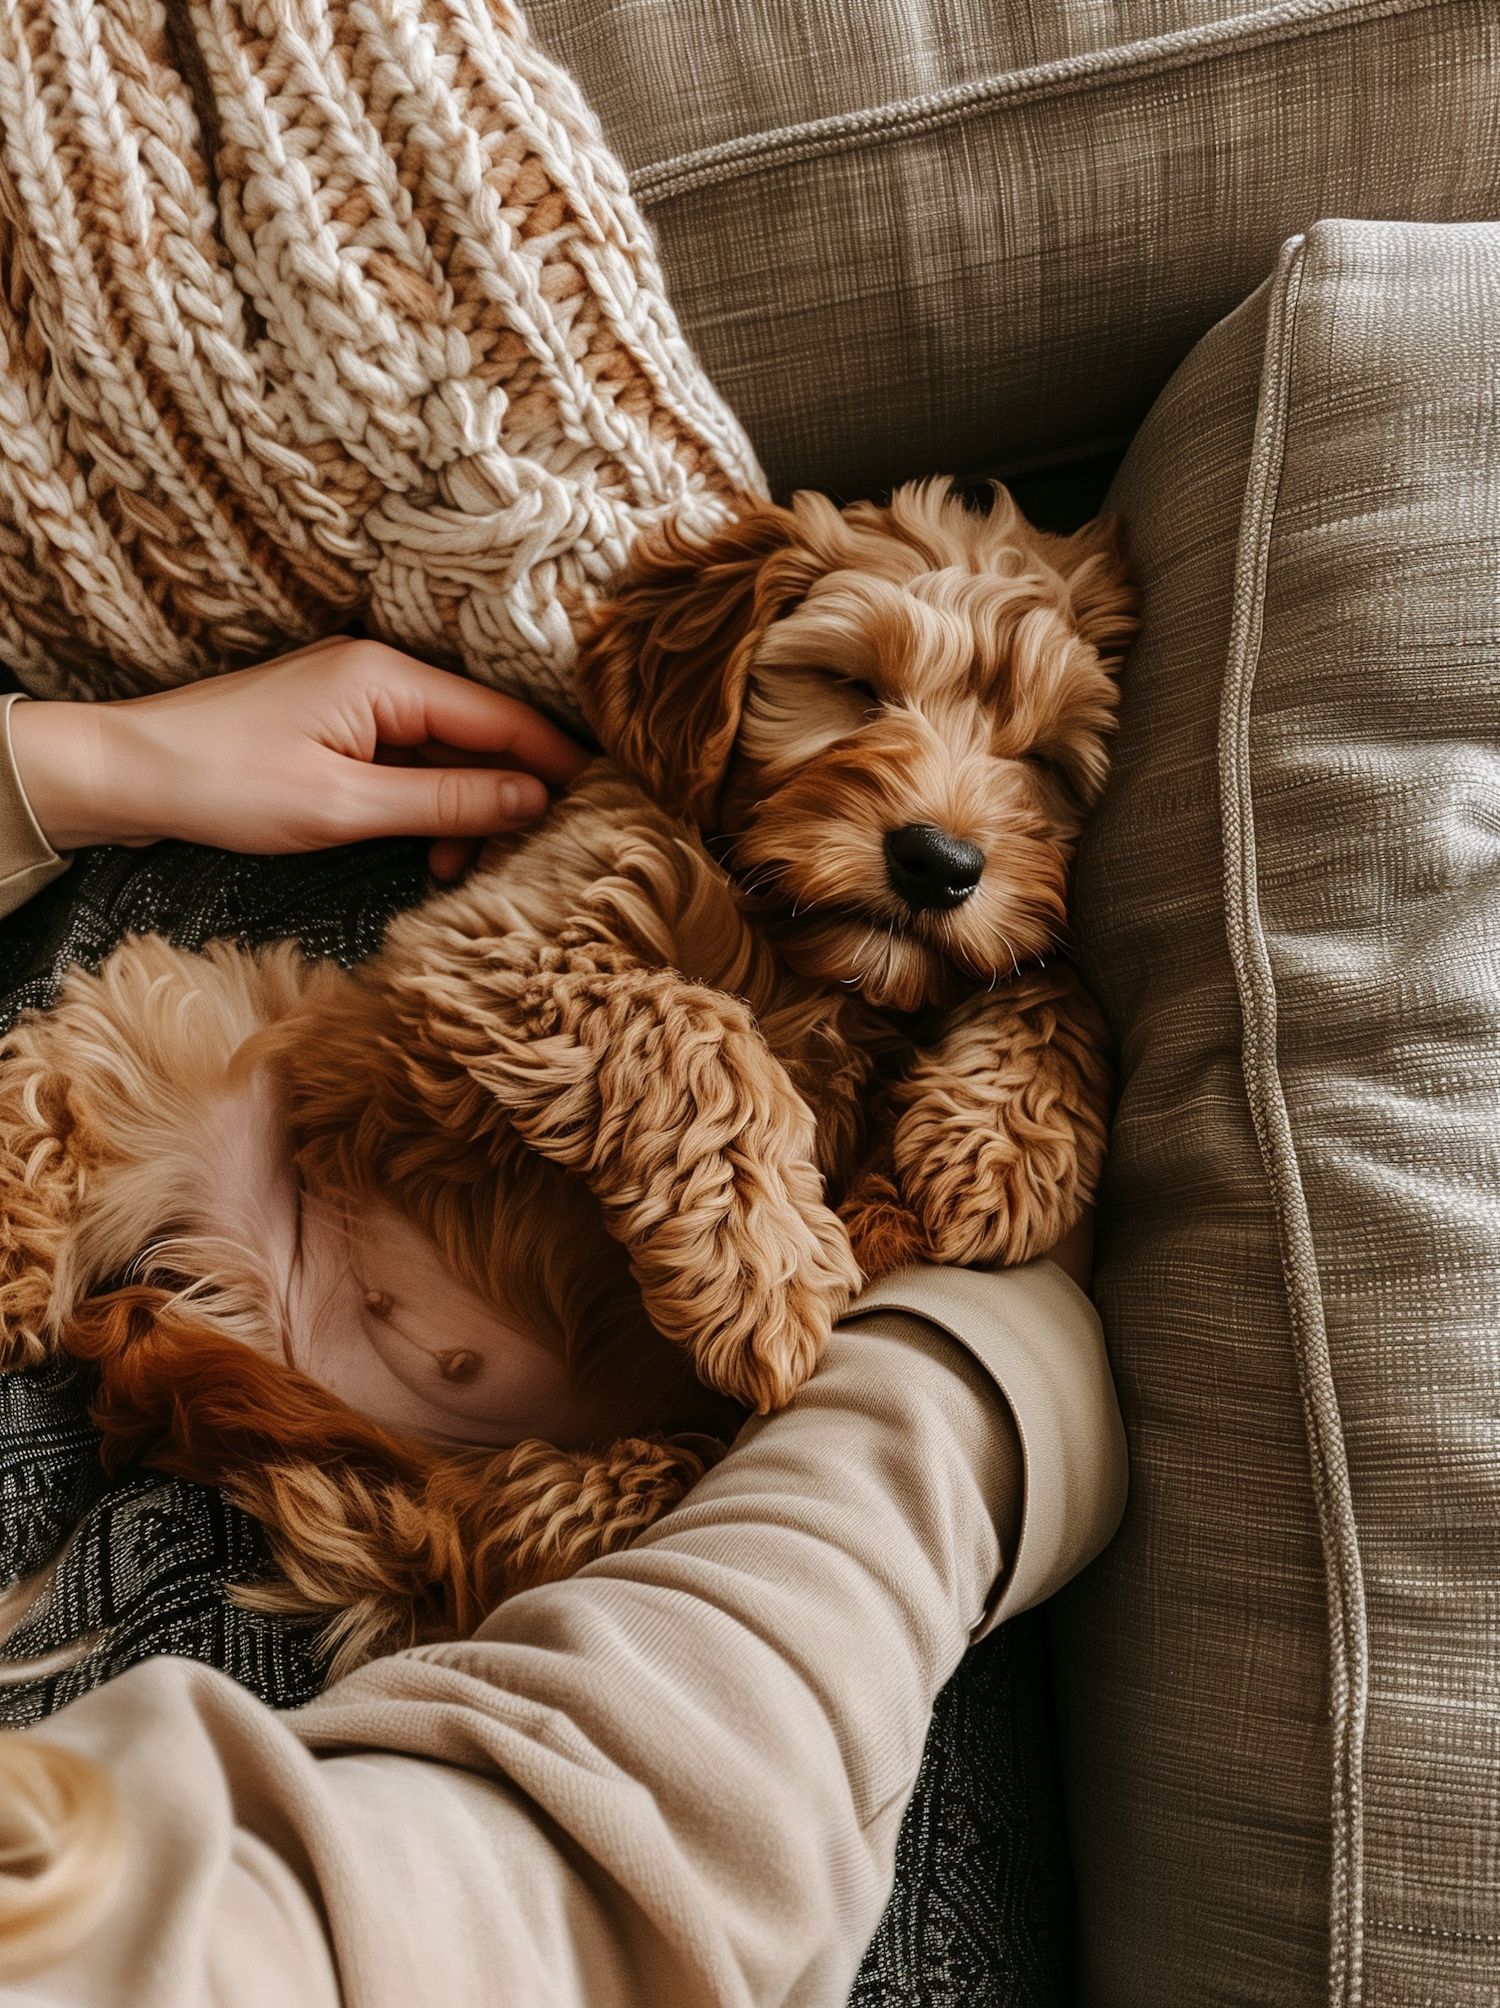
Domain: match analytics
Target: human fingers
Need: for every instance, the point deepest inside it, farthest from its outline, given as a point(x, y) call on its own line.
point(277, 758)
point(412, 702)
point(354, 695)
point(450, 803)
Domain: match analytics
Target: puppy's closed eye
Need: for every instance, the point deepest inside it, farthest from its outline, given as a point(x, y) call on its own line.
point(792, 714)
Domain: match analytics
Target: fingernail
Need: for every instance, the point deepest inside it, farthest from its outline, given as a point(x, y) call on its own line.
point(512, 798)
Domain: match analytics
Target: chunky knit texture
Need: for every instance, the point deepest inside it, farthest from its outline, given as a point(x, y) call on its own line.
point(314, 311)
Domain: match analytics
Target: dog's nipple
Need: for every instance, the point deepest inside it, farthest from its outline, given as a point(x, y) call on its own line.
point(378, 1301)
point(459, 1366)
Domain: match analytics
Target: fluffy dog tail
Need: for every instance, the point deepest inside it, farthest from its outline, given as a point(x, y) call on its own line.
point(394, 1541)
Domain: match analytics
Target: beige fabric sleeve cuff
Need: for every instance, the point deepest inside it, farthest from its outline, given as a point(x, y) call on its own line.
point(1039, 1338)
point(27, 860)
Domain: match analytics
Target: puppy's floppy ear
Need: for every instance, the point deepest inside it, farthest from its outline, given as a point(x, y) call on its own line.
point(1102, 599)
point(662, 675)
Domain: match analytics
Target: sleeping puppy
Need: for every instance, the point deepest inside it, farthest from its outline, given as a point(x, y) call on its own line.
point(890, 723)
point(455, 1270)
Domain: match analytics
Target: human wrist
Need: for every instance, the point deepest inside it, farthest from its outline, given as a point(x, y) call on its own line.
point(81, 783)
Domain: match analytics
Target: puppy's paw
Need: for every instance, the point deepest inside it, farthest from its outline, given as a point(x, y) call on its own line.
point(1003, 1216)
point(988, 1187)
point(764, 1350)
point(1000, 1129)
point(929, 1216)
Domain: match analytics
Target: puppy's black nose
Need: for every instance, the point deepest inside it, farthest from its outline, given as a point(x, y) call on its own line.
point(929, 868)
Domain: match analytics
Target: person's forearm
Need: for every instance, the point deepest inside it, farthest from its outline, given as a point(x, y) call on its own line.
point(727, 1719)
point(89, 775)
point(676, 1778)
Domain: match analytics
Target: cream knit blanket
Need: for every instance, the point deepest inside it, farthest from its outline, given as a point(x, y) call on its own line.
point(322, 309)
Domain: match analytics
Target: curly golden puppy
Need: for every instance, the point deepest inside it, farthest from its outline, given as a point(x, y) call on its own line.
point(310, 1265)
point(455, 1269)
point(890, 724)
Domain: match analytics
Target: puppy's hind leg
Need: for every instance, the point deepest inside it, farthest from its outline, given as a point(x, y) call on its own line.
point(998, 1133)
point(395, 1541)
point(663, 1096)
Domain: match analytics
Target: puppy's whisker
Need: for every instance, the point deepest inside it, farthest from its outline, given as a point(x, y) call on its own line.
point(760, 885)
point(764, 882)
point(887, 959)
point(861, 963)
point(724, 847)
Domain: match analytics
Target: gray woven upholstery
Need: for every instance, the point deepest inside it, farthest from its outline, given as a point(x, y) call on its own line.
point(1281, 1685)
point(908, 235)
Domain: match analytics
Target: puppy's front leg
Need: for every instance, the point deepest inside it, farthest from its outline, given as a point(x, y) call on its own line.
point(662, 1095)
point(995, 1136)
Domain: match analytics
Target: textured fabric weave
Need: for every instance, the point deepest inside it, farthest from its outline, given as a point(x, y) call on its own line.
point(981, 1914)
point(314, 310)
point(905, 235)
point(1279, 1688)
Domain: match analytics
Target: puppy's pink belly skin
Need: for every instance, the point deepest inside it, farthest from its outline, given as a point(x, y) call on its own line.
point(362, 1302)
point(375, 1316)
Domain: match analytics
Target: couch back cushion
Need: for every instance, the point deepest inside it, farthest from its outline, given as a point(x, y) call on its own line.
point(909, 235)
point(1281, 1685)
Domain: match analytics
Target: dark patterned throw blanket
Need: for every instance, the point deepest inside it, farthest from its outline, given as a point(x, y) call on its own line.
point(980, 1914)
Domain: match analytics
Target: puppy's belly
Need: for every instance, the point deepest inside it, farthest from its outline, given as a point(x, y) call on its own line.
point(360, 1299)
point(376, 1316)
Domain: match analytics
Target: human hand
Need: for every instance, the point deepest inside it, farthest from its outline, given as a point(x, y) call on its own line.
point(336, 742)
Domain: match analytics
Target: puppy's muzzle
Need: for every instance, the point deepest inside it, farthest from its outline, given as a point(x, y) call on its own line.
point(928, 868)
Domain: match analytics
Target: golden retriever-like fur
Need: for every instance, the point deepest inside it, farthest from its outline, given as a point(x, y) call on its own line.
point(622, 1075)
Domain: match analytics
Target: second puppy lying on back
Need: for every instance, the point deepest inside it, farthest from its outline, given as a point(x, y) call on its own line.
point(558, 1161)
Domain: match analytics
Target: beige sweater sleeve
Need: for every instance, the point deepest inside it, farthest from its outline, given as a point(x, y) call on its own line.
point(674, 1781)
point(27, 860)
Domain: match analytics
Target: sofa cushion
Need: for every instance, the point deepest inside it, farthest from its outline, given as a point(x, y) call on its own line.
point(916, 234)
point(1280, 1687)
